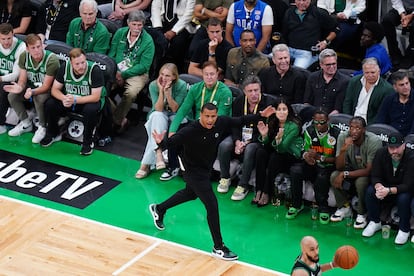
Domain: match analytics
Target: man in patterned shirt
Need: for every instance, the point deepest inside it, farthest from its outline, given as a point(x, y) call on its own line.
point(318, 163)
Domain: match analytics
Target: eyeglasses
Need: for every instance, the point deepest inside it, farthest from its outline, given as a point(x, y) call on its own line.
point(322, 122)
point(330, 64)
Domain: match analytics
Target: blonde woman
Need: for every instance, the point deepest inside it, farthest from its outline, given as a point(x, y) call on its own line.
point(167, 93)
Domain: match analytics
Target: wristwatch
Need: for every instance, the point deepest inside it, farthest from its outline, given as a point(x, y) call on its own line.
point(328, 42)
point(346, 174)
point(212, 55)
point(322, 158)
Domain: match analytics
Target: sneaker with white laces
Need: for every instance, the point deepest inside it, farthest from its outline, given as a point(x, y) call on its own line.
point(239, 193)
point(341, 213)
point(169, 174)
point(3, 129)
point(157, 217)
point(224, 253)
point(22, 127)
point(402, 237)
point(39, 135)
point(370, 230)
point(223, 186)
point(360, 222)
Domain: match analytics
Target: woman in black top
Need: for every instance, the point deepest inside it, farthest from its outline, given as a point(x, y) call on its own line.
point(18, 13)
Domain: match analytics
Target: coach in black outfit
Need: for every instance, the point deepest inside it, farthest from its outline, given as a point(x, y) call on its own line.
point(198, 142)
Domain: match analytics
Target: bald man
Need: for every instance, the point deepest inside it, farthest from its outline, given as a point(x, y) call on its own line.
point(307, 263)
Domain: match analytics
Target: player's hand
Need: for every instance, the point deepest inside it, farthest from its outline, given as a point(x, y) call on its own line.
point(337, 183)
point(262, 128)
point(13, 88)
point(268, 111)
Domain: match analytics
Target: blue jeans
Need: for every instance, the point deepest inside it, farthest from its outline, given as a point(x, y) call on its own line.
point(302, 58)
point(402, 200)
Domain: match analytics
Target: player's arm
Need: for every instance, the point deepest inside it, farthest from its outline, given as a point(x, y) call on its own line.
point(194, 69)
point(57, 90)
point(328, 266)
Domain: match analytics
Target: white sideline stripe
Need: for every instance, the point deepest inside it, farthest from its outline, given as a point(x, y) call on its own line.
point(134, 233)
point(136, 258)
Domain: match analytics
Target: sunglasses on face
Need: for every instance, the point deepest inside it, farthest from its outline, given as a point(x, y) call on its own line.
point(321, 122)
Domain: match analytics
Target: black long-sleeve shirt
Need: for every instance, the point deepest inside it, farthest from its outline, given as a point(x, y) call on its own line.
point(383, 172)
point(291, 85)
point(197, 146)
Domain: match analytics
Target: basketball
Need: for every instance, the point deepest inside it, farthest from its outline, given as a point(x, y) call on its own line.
point(346, 257)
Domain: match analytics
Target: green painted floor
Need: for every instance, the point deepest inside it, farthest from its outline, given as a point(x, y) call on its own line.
point(260, 236)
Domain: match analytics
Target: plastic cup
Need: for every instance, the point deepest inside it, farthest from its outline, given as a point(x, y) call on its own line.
point(314, 213)
point(348, 220)
point(386, 231)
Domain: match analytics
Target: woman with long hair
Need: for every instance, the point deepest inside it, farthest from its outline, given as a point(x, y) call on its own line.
point(281, 147)
point(167, 93)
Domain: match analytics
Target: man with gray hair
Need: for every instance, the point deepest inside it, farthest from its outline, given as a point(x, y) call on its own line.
point(326, 88)
point(86, 32)
point(133, 50)
point(283, 79)
point(243, 143)
point(365, 92)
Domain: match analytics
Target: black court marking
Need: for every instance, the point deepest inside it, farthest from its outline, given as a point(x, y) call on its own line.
point(52, 182)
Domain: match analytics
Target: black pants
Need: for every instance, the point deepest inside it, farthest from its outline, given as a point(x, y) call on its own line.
point(198, 186)
point(320, 179)
point(54, 109)
point(389, 22)
point(269, 164)
point(4, 103)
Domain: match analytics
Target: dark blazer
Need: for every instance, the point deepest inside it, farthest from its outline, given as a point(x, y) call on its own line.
point(381, 90)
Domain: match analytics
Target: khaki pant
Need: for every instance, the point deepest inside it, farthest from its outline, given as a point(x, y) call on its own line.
point(133, 86)
point(343, 197)
point(17, 103)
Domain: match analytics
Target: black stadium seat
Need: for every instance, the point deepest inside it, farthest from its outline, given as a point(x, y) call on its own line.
point(341, 120)
point(107, 65)
point(409, 141)
point(61, 49)
point(110, 25)
point(382, 131)
point(190, 79)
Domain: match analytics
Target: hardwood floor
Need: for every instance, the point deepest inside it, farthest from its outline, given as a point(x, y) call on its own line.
point(39, 241)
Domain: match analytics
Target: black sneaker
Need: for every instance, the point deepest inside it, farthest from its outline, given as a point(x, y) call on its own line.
point(169, 174)
point(48, 140)
point(158, 219)
point(224, 253)
point(87, 149)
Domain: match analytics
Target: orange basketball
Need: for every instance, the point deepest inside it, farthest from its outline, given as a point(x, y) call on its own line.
point(346, 257)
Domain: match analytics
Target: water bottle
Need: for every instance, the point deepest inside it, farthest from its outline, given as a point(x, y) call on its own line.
point(286, 181)
point(104, 141)
point(353, 17)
